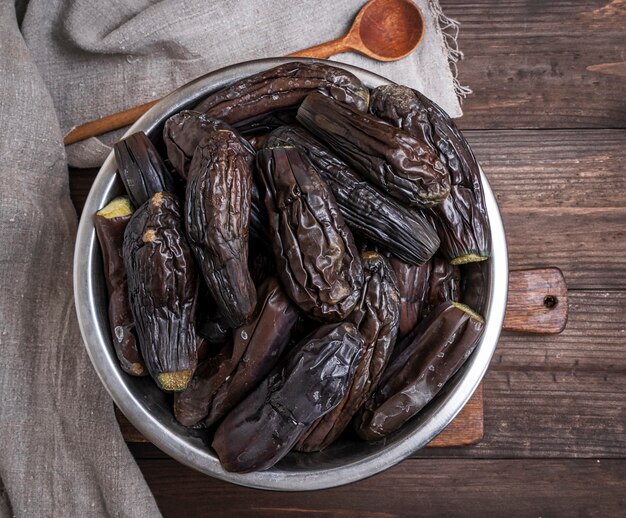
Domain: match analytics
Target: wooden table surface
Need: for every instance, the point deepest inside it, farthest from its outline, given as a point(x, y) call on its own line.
point(547, 121)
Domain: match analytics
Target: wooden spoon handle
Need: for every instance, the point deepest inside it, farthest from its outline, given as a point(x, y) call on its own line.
point(537, 302)
point(108, 123)
point(323, 50)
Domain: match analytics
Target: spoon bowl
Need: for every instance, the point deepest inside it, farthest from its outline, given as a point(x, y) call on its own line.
point(387, 30)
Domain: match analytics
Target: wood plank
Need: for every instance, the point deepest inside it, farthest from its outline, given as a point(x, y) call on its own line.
point(425, 487)
point(587, 244)
point(551, 169)
point(554, 414)
point(537, 302)
point(544, 414)
point(593, 341)
point(536, 64)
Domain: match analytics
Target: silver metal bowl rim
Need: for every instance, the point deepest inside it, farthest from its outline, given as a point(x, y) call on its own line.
point(96, 337)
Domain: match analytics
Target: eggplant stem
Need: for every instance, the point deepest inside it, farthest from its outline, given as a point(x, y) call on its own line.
point(174, 381)
point(469, 258)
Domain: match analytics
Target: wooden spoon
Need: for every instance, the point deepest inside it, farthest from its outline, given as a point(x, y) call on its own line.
point(385, 30)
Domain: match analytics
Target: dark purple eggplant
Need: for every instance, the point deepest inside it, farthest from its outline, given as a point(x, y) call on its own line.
point(141, 168)
point(248, 100)
point(224, 380)
point(183, 132)
point(444, 283)
point(182, 135)
point(162, 288)
point(217, 214)
point(376, 318)
point(413, 286)
point(462, 220)
point(390, 158)
point(110, 223)
point(316, 258)
point(312, 381)
point(442, 343)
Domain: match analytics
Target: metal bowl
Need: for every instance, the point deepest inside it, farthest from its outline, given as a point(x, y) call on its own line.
point(150, 410)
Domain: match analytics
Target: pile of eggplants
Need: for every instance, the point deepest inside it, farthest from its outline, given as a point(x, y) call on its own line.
point(288, 267)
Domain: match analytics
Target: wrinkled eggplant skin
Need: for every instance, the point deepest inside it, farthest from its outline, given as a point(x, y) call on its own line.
point(183, 132)
point(444, 283)
point(142, 169)
point(182, 135)
point(392, 159)
point(240, 366)
point(462, 220)
point(246, 101)
point(376, 318)
point(463, 226)
point(217, 214)
point(162, 287)
point(110, 234)
point(445, 340)
point(369, 213)
point(413, 286)
point(316, 258)
point(311, 381)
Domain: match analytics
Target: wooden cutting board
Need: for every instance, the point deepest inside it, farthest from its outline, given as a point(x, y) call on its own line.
point(537, 303)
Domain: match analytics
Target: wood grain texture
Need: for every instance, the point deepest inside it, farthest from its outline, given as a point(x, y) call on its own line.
point(527, 63)
point(587, 244)
point(553, 169)
point(106, 124)
point(613, 69)
point(593, 341)
point(537, 302)
point(546, 414)
point(416, 487)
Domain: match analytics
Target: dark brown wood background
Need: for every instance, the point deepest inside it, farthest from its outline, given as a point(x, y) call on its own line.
point(547, 121)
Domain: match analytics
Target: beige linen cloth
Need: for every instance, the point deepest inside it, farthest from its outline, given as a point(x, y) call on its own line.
point(64, 62)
